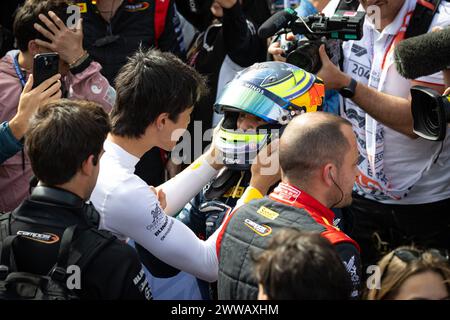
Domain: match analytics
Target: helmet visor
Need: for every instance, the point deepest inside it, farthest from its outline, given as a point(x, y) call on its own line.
point(239, 148)
point(251, 100)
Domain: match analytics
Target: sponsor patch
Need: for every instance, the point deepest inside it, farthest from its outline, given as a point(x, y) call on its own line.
point(232, 194)
point(262, 230)
point(157, 219)
point(47, 238)
point(268, 213)
point(287, 193)
point(135, 7)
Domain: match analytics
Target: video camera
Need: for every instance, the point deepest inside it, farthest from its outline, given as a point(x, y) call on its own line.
point(317, 29)
point(431, 113)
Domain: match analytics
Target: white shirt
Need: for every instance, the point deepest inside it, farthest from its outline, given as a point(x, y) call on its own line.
point(129, 209)
point(393, 165)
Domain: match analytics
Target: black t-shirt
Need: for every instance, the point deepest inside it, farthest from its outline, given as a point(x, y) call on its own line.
point(115, 273)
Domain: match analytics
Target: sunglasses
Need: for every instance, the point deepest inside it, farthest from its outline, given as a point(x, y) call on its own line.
point(409, 255)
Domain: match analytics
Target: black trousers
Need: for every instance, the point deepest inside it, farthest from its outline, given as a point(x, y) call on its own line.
point(379, 228)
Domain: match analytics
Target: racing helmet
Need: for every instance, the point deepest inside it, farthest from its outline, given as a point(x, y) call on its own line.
point(272, 91)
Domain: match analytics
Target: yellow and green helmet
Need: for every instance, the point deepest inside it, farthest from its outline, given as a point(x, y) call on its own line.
point(272, 91)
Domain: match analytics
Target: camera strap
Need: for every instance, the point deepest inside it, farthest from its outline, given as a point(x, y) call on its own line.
point(422, 17)
point(415, 23)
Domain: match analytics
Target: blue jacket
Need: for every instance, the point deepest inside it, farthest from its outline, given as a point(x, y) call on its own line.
point(9, 145)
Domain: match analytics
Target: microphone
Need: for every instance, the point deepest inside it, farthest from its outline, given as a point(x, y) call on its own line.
point(276, 22)
point(423, 55)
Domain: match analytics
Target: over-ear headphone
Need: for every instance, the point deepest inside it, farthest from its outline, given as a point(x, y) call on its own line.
point(65, 199)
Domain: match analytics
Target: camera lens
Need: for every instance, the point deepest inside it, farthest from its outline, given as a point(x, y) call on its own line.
point(306, 56)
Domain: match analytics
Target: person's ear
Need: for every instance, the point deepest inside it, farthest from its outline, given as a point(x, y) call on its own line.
point(33, 48)
point(161, 121)
point(88, 165)
point(328, 174)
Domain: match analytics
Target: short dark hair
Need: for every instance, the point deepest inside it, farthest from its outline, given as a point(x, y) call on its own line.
point(28, 14)
point(149, 84)
point(311, 140)
point(302, 266)
point(62, 135)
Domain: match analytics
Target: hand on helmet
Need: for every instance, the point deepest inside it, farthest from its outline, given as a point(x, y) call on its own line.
point(213, 155)
point(266, 168)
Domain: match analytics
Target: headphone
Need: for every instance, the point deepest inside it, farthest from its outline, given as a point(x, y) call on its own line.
point(68, 200)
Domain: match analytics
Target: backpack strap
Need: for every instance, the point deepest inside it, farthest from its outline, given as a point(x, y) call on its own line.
point(58, 273)
point(79, 252)
point(88, 245)
point(7, 255)
point(422, 17)
point(5, 225)
point(161, 9)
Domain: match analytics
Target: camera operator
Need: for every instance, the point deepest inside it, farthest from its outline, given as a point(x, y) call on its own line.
point(402, 193)
point(39, 27)
point(66, 161)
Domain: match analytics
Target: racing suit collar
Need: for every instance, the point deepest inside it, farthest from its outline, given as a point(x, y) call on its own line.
point(293, 196)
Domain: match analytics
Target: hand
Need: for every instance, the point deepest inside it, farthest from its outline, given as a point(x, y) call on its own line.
point(227, 4)
point(330, 73)
point(31, 99)
point(266, 168)
point(159, 193)
point(213, 155)
point(447, 91)
point(68, 43)
point(275, 48)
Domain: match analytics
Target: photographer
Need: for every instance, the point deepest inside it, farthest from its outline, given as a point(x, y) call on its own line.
point(402, 193)
point(66, 161)
point(39, 27)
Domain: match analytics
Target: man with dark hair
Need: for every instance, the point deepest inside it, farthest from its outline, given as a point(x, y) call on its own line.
point(39, 27)
point(155, 97)
point(301, 266)
point(313, 180)
point(145, 90)
point(65, 159)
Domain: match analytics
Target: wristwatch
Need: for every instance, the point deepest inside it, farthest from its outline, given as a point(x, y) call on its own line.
point(349, 91)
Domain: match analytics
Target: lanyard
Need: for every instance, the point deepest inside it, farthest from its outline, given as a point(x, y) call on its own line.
point(399, 37)
point(393, 42)
point(18, 71)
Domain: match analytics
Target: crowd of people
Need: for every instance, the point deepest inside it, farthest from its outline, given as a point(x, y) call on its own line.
point(312, 186)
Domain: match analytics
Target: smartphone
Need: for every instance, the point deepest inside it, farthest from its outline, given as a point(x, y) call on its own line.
point(45, 66)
